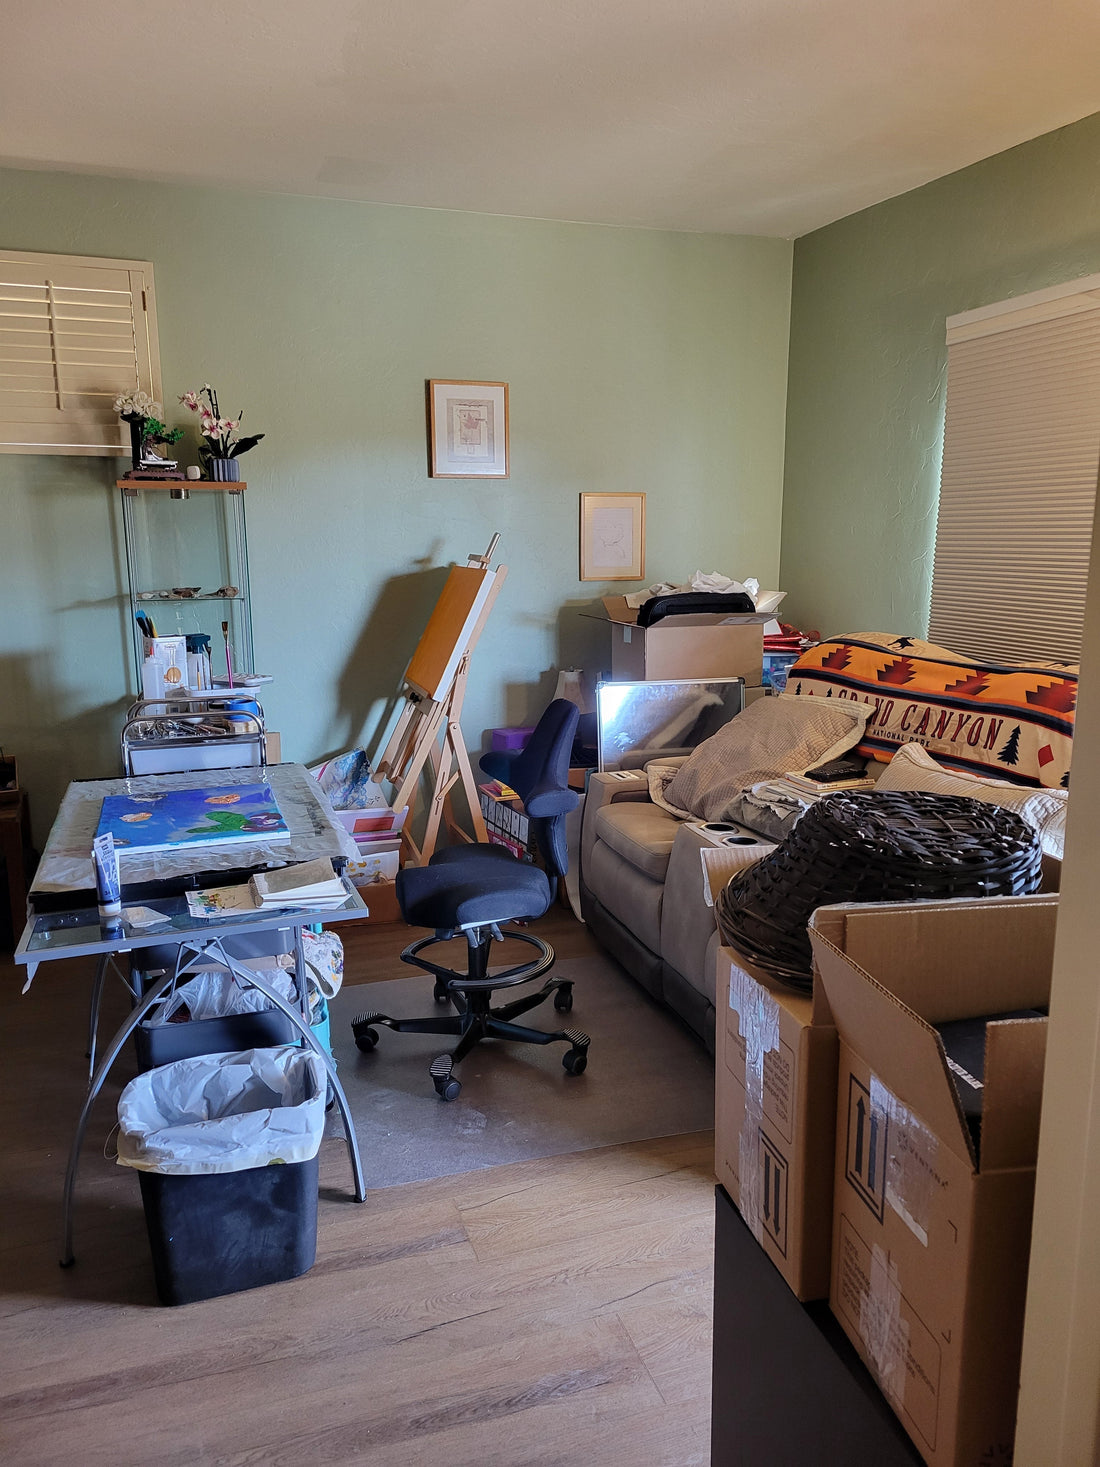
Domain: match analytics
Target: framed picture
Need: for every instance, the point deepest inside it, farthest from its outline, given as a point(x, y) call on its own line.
point(468, 429)
point(612, 537)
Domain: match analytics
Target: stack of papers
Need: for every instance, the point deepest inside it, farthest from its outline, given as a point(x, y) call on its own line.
point(816, 787)
point(312, 884)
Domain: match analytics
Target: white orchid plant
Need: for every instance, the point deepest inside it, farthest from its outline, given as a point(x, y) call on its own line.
point(220, 434)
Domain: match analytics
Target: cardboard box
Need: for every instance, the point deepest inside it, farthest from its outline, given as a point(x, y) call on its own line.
point(930, 1234)
point(707, 645)
point(381, 900)
point(775, 1111)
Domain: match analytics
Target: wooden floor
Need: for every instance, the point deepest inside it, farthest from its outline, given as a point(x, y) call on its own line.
point(549, 1312)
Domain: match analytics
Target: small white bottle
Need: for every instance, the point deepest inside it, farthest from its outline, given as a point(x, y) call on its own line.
point(152, 680)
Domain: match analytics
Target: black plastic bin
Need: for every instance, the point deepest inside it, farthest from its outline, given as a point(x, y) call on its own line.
point(226, 1150)
point(163, 1044)
point(236, 1230)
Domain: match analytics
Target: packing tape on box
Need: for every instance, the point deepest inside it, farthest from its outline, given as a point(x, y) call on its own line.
point(882, 1328)
point(910, 1160)
point(758, 1015)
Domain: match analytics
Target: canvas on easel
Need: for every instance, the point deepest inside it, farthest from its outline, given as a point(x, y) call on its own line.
point(427, 740)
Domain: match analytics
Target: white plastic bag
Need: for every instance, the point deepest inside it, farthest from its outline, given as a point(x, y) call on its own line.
point(224, 1113)
point(214, 993)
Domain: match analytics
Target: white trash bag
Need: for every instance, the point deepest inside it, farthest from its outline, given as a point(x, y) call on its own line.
point(213, 993)
point(224, 1113)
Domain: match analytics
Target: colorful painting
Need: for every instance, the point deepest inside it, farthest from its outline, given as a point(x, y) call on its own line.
point(202, 817)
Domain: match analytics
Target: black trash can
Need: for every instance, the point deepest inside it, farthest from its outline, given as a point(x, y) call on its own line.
point(226, 1150)
point(232, 1231)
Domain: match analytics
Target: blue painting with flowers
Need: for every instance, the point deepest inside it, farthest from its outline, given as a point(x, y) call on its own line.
point(176, 819)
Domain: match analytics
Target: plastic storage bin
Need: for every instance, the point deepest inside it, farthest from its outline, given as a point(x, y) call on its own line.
point(163, 1044)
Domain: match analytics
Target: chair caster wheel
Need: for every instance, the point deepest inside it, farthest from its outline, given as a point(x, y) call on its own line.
point(446, 1086)
point(366, 1040)
point(575, 1061)
point(563, 999)
point(439, 993)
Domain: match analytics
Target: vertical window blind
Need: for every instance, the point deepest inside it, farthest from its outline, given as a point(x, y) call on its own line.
point(1021, 455)
point(75, 333)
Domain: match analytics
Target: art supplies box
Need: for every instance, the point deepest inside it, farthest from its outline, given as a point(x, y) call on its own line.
point(373, 823)
point(775, 1107)
point(507, 823)
point(931, 1230)
point(702, 645)
point(377, 861)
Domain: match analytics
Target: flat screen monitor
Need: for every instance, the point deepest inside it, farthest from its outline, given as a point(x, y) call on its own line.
point(637, 722)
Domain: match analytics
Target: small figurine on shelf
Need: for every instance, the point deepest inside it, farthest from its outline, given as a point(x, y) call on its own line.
point(146, 433)
point(221, 447)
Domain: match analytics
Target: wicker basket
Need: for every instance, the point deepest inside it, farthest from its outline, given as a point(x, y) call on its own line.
point(891, 846)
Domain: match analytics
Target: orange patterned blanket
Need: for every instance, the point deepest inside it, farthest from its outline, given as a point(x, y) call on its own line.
point(1007, 722)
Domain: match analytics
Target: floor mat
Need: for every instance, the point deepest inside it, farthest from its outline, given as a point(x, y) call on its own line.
point(646, 1077)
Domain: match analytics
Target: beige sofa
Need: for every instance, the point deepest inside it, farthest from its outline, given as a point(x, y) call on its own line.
point(644, 897)
point(642, 887)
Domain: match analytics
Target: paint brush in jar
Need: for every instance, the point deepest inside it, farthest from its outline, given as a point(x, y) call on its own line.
point(228, 663)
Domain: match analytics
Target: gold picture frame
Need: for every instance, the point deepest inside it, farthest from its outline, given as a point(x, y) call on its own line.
point(612, 537)
point(467, 429)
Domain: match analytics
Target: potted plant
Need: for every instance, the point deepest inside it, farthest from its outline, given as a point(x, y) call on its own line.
point(147, 432)
point(221, 445)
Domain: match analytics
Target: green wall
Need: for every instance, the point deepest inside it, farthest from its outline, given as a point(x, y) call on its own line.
point(867, 371)
point(637, 360)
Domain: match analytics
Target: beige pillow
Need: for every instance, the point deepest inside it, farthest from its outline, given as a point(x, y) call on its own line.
point(772, 736)
point(913, 768)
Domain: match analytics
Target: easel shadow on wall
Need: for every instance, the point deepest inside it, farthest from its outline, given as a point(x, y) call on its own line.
point(369, 691)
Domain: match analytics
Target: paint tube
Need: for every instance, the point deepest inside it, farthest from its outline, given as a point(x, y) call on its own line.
point(107, 884)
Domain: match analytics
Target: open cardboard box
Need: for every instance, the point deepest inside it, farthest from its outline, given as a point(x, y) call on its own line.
point(701, 645)
point(931, 1234)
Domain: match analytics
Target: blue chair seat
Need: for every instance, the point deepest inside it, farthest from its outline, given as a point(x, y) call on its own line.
point(475, 887)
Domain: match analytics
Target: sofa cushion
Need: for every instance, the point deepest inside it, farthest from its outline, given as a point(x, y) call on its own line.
point(773, 736)
point(639, 832)
point(992, 719)
point(628, 894)
point(912, 768)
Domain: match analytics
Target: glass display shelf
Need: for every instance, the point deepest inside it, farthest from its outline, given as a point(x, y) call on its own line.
point(191, 535)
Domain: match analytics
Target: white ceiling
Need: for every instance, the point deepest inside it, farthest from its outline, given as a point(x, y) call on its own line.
point(750, 116)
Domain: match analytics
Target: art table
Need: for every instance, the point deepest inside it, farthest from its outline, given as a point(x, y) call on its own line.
point(75, 930)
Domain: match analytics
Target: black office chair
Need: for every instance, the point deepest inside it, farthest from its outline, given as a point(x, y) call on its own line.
point(473, 890)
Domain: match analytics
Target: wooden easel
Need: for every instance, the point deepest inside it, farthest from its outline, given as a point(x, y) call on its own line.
point(428, 731)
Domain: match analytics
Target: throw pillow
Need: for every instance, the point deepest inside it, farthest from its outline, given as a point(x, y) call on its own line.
point(1044, 810)
point(1015, 721)
point(772, 736)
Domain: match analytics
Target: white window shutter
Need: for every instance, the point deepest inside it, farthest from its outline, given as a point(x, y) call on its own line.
point(75, 333)
point(1021, 455)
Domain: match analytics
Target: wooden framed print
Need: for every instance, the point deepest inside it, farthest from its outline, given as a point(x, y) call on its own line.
point(612, 537)
point(468, 429)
